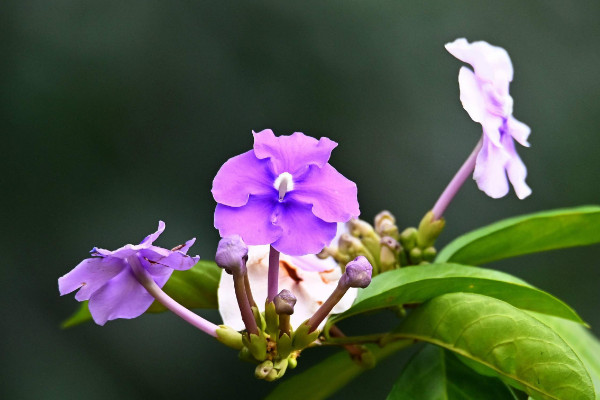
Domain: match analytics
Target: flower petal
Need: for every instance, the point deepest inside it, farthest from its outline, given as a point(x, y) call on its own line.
point(253, 221)
point(292, 153)
point(491, 128)
point(148, 240)
point(310, 288)
point(302, 232)
point(470, 95)
point(333, 197)
point(240, 177)
point(489, 170)
point(518, 130)
point(491, 63)
point(90, 275)
point(173, 259)
point(121, 297)
point(515, 168)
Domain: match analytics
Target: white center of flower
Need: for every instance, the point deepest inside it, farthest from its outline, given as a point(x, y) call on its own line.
point(284, 183)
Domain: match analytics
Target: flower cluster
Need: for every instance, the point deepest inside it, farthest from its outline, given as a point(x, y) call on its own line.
point(287, 220)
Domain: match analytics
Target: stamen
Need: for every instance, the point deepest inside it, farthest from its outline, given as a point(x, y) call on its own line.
point(284, 183)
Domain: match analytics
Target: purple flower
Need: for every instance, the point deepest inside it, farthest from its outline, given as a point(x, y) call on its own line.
point(108, 281)
point(484, 95)
point(284, 193)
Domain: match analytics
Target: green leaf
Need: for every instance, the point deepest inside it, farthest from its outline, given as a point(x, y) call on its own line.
point(531, 233)
point(501, 340)
point(421, 283)
point(193, 288)
point(330, 375)
point(78, 317)
point(581, 340)
point(435, 374)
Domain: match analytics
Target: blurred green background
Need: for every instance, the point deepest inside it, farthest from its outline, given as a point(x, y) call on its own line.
point(117, 114)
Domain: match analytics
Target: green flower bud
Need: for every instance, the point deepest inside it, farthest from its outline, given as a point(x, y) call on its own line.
point(416, 256)
point(263, 369)
point(229, 337)
point(408, 238)
point(429, 253)
point(429, 230)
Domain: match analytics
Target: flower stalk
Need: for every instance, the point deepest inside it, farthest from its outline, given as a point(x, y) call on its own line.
point(148, 283)
point(273, 277)
point(456, 183)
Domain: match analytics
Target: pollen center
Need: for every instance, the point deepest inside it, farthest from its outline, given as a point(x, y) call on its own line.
point(284, 183)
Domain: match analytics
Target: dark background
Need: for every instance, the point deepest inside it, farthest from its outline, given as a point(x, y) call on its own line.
point(117, 114)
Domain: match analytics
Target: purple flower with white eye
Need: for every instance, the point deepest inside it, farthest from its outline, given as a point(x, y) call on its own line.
point(485, 96)
point(107, 279)
point(284, 193)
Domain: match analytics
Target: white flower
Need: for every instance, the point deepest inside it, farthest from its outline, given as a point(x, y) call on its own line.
point(309, 278)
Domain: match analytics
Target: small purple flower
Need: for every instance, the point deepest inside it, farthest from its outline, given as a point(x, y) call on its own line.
point(485, 96)
point(284, 193)
point(108, 281)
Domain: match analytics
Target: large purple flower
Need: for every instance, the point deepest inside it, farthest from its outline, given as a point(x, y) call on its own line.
point(484, 95)
point(108, 281)
point(284, 193)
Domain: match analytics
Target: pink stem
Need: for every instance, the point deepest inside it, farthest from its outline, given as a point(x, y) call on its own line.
point(148, 283)
point(456, 183)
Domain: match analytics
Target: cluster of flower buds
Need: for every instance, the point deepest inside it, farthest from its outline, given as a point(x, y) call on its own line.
point(384, 245)
point(269, 340)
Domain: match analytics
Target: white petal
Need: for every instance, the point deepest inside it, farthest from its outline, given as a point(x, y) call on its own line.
point(311, 288)
point(470, 95)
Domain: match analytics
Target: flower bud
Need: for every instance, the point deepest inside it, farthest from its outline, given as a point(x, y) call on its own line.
point(408, 238)
point(353, 247)
point(385, 225)
point(388, 256)
point(429, 229)
point(284, 302)
point(358, 273)
point(231, 254)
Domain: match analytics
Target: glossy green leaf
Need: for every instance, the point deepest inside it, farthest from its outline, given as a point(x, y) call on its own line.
point(435, 374)
point(525, 234)
point(421, 283)
point(581, 340)
point(504, 341)
point(78, 317)
point(193, 288)
point(322, 380)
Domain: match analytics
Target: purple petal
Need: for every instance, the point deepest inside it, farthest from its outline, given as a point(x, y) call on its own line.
point(240, 177)
point(159, 273)
point(89, 275)
point(303, 233)
point(167, 258)
point(121, 297)
point(187, 245)
point(470, 95)
point(489, 170)
point(516, 170)
point(518, 130)
point(491, 128)
point(491, 63)
point(253, 221)
point(332, 196)
point(292, 153)
point(152, 237)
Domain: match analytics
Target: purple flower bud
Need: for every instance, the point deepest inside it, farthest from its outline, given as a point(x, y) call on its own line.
point(231, 254)
point(284, 302)
point(358, 273)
